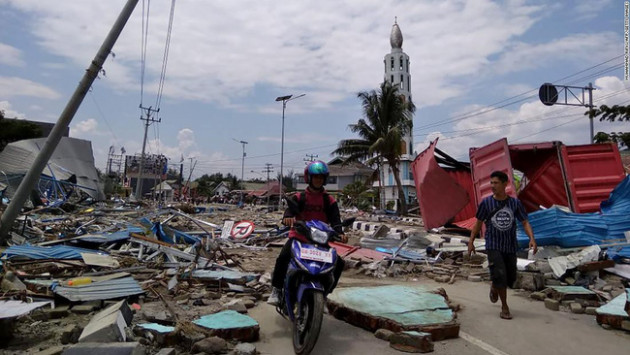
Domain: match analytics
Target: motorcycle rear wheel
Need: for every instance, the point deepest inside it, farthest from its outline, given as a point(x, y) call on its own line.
point(307, 326)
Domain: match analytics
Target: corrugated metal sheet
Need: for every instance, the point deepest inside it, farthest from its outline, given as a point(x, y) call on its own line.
point(567, 229)
point(619, 200)
point(103, 290)
point(440, 197)
point(592, 172)
point(492, 157)
point(53, 252)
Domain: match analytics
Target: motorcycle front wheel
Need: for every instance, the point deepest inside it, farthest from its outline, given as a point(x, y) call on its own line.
point(308, 322)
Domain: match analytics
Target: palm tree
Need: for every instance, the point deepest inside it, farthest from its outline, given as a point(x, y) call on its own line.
point(387, 118)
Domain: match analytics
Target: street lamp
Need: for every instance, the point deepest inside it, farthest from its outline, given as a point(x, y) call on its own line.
point(242, 167)
point(284, 100)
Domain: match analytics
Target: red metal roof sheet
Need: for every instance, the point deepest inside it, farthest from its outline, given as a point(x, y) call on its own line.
point(440, 196)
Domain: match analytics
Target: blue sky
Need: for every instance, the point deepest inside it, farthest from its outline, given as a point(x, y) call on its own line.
point(228, 62)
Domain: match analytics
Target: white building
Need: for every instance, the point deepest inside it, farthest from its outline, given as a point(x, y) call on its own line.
point(397, 73)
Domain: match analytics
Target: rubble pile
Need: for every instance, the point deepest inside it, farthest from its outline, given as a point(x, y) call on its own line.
point(131, 277)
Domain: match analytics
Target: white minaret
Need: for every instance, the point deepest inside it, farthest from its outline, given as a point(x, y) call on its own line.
point(397, 73)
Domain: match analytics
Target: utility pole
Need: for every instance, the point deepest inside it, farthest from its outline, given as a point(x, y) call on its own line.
point(310, 158)
point(268, 169)
point(284, 100)
point(31, 178)
point(147, 122)
point(242, 168)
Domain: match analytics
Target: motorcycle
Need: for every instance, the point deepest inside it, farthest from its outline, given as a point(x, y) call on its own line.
point(308, 281)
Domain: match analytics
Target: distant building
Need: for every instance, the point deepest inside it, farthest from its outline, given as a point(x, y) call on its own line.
point(340, 175)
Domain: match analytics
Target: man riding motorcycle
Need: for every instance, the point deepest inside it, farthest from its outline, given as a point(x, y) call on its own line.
point(314, 203)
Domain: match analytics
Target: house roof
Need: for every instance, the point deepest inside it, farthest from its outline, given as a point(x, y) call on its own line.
point(350, 169)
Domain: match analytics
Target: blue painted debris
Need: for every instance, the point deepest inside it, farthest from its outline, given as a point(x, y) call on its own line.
point(404, 308)
point(101, 290)
point(168, 234)
point(52, 252)
point(157, 327)
point(568, 230)
point(615, 307)
point(226, 320)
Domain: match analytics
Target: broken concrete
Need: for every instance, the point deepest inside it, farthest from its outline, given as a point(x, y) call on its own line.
point(552, 304)
point(408, 308)
point(613, 313)
point(244, 349)
point(411, 342)
point(211, 345)
point(106, 349)
point(104, 329)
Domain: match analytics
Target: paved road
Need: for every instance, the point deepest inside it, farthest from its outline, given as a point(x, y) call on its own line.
point(534, 329)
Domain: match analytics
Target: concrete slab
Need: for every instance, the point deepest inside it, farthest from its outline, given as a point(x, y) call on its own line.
point(230, 325)
point(105, 329)
point(613, 313)
point(570, 293)
point(106, 349)
point(121, 306)
point(397, 308)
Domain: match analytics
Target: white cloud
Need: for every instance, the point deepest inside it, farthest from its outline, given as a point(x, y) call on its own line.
point(84, 127)
point(10, 55)
point(220, 51)
point(13, 87)
point(6, 107)
point(572, 48)
point(186, 138)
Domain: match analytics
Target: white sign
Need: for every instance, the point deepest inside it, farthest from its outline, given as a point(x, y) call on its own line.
point(316, 255)
point(242, 229)
point(227, 229)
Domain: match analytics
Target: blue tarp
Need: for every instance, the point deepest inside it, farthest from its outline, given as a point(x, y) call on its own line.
point(161, 234)
point(618, 253)
point(568, 230)
point(53, 252)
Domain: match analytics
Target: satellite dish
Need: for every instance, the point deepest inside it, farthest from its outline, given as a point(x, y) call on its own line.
point(548, 94)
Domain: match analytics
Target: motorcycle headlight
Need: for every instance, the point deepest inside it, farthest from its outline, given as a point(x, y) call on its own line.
point(318, 236)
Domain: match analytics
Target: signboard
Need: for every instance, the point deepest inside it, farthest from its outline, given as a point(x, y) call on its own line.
point(242, 229)
point(227, 229)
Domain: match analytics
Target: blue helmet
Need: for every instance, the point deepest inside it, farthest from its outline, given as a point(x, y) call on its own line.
point(316, 167)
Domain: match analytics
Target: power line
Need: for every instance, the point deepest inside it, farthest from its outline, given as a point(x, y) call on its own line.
point(493, 107)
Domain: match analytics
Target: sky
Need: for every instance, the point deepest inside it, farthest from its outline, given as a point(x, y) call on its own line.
point(476, 67)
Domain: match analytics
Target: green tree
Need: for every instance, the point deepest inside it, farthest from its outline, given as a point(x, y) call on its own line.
point(288, 180)
point(621, 138)
point(387, 118)
point(358, 194)
point(611, 114)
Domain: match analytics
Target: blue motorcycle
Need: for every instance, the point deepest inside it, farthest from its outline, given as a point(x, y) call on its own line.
point(309, 279)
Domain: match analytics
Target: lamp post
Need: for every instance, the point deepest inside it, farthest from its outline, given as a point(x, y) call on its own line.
point(284, 100)
point(242, 167)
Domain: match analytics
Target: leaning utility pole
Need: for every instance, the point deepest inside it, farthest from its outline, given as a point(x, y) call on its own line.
point(63, 122)
point(147, 122)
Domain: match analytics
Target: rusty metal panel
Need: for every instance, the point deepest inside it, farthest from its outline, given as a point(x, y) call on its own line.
point(483, 161)
point(464, 179)
point(440, 196)
point(592, 172)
